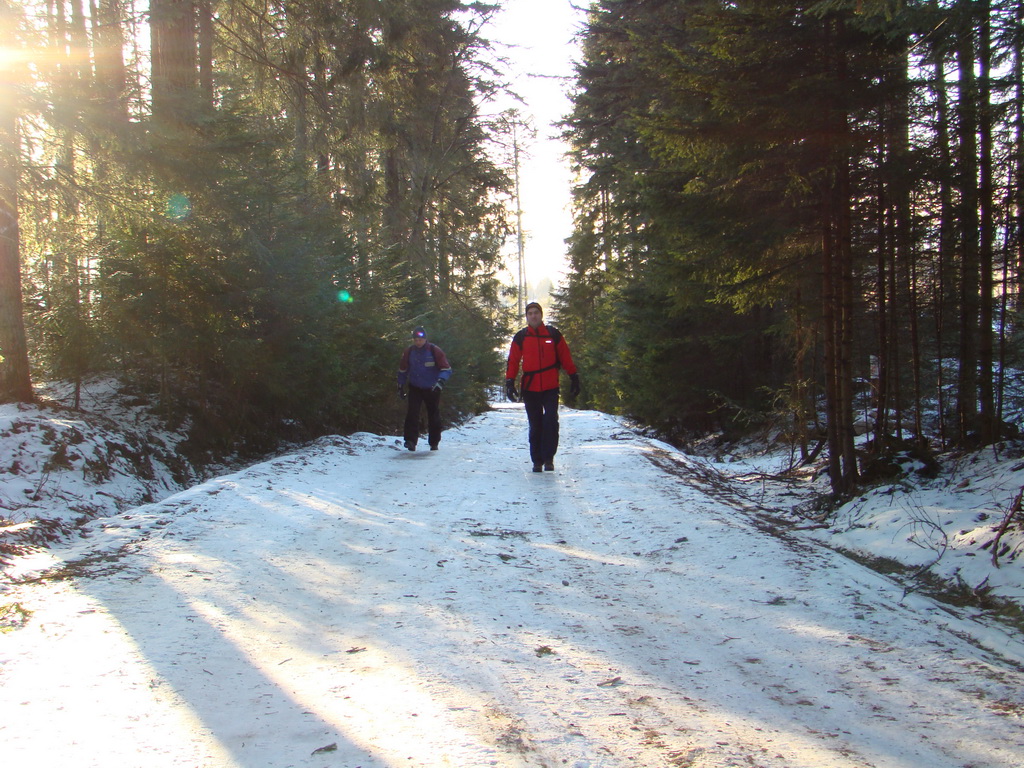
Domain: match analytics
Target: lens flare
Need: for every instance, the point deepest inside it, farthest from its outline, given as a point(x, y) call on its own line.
point(178, 207)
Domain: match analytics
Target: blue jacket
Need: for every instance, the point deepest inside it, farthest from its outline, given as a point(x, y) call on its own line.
point(423, 366)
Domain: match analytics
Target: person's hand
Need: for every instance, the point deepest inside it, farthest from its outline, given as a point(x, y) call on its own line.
point(438, 385)
point(574, 384)
point(510, 390)
point(401, 391)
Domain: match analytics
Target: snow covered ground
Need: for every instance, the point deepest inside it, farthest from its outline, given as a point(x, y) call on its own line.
point(64, 466)
point(353, 604)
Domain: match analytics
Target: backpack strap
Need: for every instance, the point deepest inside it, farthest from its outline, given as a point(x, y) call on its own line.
point(556, 337)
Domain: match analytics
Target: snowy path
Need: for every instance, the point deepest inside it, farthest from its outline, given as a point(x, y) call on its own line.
point(357, 605)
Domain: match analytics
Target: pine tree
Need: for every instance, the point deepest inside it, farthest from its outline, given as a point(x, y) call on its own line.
point(755, 121)
point(224, 237)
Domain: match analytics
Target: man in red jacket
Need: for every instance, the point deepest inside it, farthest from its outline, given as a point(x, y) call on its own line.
point(541, 350)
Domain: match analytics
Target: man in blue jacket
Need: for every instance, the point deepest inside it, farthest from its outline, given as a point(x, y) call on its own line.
point(425, 368)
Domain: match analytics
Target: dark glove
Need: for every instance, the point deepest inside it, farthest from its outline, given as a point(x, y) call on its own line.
point(401, 391)
point(510, 390)
point(574, 384)
point(438, 385)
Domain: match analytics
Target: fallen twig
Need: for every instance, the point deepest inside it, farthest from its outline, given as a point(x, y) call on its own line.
point(1012, 512)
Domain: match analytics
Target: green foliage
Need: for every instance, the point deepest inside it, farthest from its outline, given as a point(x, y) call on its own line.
point(252, 254)
point(706, 134)
point(658, 254)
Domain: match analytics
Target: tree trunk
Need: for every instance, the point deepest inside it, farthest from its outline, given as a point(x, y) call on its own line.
point(174, 81)
point(847, 303)
point(830, 334)
point(902, 251)
point(393, 199)
point(15, 380)
point(885, 333)
point(1014, 255)
point(988, 424)
point(204, 13)
point(837, 287)
point(76, 350)
point(108, 55)
point(947, 241)
point(1017, 226)
point(967, 383)
point(801, 407)
point(915, 351)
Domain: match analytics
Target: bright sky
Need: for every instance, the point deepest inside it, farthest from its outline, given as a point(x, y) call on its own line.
point(542, 49)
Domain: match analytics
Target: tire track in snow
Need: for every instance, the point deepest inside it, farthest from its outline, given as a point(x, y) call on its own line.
point(806, 570)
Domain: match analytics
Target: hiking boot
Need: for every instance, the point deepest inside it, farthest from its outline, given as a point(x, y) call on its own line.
point(410, 445)
point(433, 447)
point(549, 466)
point(538, 468)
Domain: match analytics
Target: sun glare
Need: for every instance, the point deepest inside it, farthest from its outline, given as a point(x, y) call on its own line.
point(10, 57)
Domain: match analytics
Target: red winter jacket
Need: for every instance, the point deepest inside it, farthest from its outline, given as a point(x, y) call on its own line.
point(541, 356)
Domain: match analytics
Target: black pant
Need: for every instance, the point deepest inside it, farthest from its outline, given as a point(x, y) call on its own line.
point(432, 399)
point(542, 413)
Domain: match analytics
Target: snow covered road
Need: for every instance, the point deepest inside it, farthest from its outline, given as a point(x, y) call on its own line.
point(358, 605)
